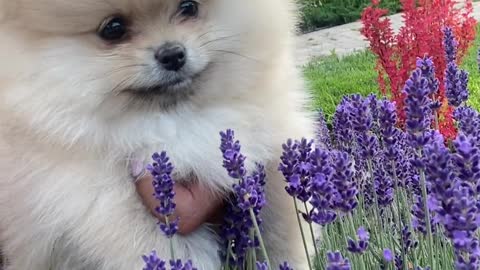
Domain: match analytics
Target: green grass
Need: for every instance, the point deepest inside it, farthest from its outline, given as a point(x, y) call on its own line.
point(332, 77)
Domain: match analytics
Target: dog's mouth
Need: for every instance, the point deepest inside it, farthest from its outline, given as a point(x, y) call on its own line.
point(178, 85)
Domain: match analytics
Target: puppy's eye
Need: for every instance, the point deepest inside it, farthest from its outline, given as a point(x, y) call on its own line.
point(113, 29)
point(188, 8)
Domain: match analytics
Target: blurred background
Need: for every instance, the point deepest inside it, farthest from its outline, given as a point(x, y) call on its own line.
point(318, 14)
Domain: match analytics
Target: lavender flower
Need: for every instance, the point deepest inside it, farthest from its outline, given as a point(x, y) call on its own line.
point(456, 81)
point(390, 134)
point(335, 261)
point(407, 241)
point(468, 121)
point(323, 133)
point(296, 168)
point(152, 262)
point(373, 103)
point(363, 124)
point(163, 183)
point(450, 45)
point(322, 201)
point(178, 265)
point(418, 109)
point(419, 216)
point(427, 66)
point(388, 255)
point(383, 186)
point(363, 240)
point(289, 168)
point(249, 196)
point(344, 182)
point(342, 126)
point(261, 265)
point(285, 266)
point(233, 160)
point(397, 165)
point(456, 85)
point(467, 161)
point(454, 203)
point(398, 262)
point(322, 189)
point(428, 72)
point(249, 191)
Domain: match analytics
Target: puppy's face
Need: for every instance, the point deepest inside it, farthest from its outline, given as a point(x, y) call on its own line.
point(99, 60)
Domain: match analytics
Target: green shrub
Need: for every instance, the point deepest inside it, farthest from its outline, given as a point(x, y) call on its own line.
point(324, 13)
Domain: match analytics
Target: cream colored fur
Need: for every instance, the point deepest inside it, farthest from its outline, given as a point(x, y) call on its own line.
point(66, 129)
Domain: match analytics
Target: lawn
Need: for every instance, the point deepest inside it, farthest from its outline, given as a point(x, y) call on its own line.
point(332, 77)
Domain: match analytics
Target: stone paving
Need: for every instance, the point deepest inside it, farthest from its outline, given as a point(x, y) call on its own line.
point(343, 39)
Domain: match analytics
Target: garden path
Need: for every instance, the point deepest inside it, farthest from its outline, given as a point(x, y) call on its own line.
point(343, 39)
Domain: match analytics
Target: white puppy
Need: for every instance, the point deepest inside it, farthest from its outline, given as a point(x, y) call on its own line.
point(84, 84)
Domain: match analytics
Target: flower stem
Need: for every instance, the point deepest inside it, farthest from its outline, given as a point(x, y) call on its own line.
point(260, 239)
point(229, 250)
point(352, 225)
point(427, 217)
point(312, 233)
point(376, 206)
point(397, 215)
point(172, 252)
point(253, 251)
point(303, 234)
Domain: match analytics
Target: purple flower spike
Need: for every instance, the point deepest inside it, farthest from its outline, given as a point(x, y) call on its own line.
point(233, 160)
point(363, 241)
point(161, 170)
point(342, 126)
point(262, 266)
point(467, 160)
point(388, 255)
point(468, 121)
point(383, 187)
point(249, 196)
point(363, 123)
point(152, 262)
point(323, 133)
point(344, 182)
point(450, 45)
point(285, 266)
point(335, 261)
point(419, 216)
point(418, 109)
point(456, 85)
point(178, 265)
point(456, 81)
point(322, 201)
point(390, 134)
point(428, 72)
point(407, 240)
point(296, 168)
point(454, 199)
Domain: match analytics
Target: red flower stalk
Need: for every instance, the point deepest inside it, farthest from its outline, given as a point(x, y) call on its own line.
point(422, 35)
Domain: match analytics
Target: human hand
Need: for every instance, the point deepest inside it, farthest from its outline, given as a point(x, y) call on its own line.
point(195, 203)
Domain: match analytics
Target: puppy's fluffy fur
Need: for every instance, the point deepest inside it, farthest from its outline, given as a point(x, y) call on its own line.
point(73, 108)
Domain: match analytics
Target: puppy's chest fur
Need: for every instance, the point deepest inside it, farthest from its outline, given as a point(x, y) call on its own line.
point(91, 170)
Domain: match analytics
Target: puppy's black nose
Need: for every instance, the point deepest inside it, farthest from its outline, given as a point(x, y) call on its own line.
point(171, 56)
